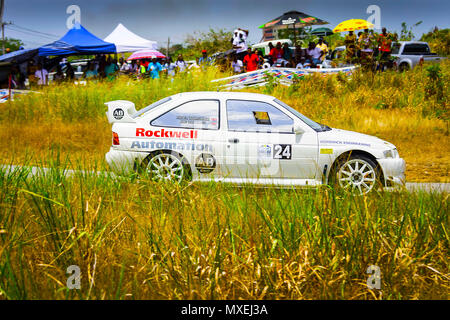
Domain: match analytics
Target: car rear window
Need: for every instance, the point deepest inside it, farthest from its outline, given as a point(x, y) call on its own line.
point(416, 48)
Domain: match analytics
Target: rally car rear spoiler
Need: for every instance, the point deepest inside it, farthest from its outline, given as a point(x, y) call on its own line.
point(120, 111)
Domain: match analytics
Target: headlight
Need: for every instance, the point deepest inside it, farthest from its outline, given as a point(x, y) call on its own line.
point(391, 153)
point(388, 154)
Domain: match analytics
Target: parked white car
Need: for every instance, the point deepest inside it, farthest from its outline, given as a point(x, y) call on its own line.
point(245, 138)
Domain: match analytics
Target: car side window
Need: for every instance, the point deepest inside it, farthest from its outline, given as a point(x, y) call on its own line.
point(257, 116)
point(198, 114)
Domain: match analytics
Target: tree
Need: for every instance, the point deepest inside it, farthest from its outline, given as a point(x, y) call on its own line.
point(12, 44)
point(407, 34)
point(212, 41)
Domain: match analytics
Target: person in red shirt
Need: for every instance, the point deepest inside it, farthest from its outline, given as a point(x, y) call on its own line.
point(250, 61)
point(276, 53)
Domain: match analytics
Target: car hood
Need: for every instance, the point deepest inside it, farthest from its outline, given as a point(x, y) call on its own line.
point(351, 138)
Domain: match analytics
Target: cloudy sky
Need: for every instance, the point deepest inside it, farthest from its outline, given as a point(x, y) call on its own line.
point(159, 19)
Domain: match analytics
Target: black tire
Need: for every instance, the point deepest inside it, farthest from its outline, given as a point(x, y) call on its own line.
point(403, 67)
point(356, 174)
point(166, 165)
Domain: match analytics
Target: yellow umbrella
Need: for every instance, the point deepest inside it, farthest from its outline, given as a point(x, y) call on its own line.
point(352, 25)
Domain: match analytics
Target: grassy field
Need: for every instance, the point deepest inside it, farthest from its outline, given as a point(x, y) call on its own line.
point(143, 240)
point(393, 106)
point(136, 239)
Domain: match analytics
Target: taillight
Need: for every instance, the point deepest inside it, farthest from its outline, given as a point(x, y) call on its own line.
point(115, 139)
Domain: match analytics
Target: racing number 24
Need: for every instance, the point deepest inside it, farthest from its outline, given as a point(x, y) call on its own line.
point(282, 151)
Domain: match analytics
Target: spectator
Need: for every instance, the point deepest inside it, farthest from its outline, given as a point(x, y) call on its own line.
point(250, 61)
point(323, 47)
point(70, 73)
point(287, 53)
point(42, 75)
point(276, 54)
point(91, 73)
point(313, 54)
point(58, 77)
point(134, 66)
point(384, 46)
point(180, 63)
point(300, 55)
point(170, 67)
point(350, 46)
point(124, 67)
point(154, 68)
point(236, 64)
point(111, 68)
point(261, 58)
point(204, 60)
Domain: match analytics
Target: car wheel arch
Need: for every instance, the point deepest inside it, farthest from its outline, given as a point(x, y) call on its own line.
point(348, 154)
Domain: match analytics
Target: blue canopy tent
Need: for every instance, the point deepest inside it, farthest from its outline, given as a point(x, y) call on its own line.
point(77, 41)
point(19, 56)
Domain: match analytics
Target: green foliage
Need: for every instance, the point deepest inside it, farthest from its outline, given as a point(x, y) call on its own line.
point(212, 41)
point(11, 43)
point(439, 41)
point(406, 33)
point(435, 89)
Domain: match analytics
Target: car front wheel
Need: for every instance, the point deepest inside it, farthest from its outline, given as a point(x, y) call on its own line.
point(356, 174)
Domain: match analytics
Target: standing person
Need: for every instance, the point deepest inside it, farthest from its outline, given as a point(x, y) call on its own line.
point(70, 73)
point(170, 67)
point(250, 61)
point(384, 47)
point(204, 60)
point(154, 68)
point(180, 63)
point(59, 75)
point(276, 53)
point(261, 58)
point(236, 64)
point(90, 73)
point(287, 53)
point(350, 46)
point(322, 46)
point(42, 75)
point(111, 68)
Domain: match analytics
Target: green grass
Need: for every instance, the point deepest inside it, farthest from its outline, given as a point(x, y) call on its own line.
point(136, 239)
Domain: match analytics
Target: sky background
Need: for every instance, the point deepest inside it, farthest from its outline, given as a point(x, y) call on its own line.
point(159, 19)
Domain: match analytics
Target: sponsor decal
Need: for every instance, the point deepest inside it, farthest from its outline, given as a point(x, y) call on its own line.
point(288, 21)
point(164, 133)
point(326, 151)
point(346, 142)
point(171, 145)
point(205, 163)
point(118, 114)
point(264, 151)
point(282, 151)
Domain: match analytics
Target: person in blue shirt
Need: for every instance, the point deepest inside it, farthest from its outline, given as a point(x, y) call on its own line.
point(154, 68)
point(204, 60)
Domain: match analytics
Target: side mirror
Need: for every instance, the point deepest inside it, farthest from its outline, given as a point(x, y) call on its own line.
point(298, 129)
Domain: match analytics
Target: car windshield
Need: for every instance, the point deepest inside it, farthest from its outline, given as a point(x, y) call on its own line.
point(316, 126)
point(153, 105)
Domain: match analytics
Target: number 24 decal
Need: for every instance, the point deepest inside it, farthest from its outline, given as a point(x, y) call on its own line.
point(282, 151)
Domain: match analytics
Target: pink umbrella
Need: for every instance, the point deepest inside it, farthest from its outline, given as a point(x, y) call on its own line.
point(146, 54)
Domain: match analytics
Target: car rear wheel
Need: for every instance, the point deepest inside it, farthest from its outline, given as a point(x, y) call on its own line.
point(166, 166)
point(356, 174)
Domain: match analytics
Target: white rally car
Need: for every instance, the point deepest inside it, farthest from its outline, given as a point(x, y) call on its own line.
point(245, 138)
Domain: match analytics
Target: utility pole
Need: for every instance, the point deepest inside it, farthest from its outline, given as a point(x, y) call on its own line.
point(3, 35)
point(168, 43)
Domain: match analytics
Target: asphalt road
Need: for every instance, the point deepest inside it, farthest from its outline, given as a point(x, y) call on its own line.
point(410, 186)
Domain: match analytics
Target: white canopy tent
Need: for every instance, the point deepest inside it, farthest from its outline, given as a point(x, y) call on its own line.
point(127, 41)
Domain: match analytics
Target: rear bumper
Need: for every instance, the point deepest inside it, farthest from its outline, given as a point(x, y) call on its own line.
point(393, 171)
point(123, 162)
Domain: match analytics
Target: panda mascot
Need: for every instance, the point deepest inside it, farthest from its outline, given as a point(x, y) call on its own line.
point(239, 41)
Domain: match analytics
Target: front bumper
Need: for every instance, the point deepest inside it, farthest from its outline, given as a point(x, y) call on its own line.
point(393, 171)
point(122, 161)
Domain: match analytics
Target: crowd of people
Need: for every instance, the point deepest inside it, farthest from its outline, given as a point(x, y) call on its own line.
point(364, 48)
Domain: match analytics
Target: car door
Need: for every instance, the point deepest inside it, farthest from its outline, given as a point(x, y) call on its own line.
point(261, 143)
